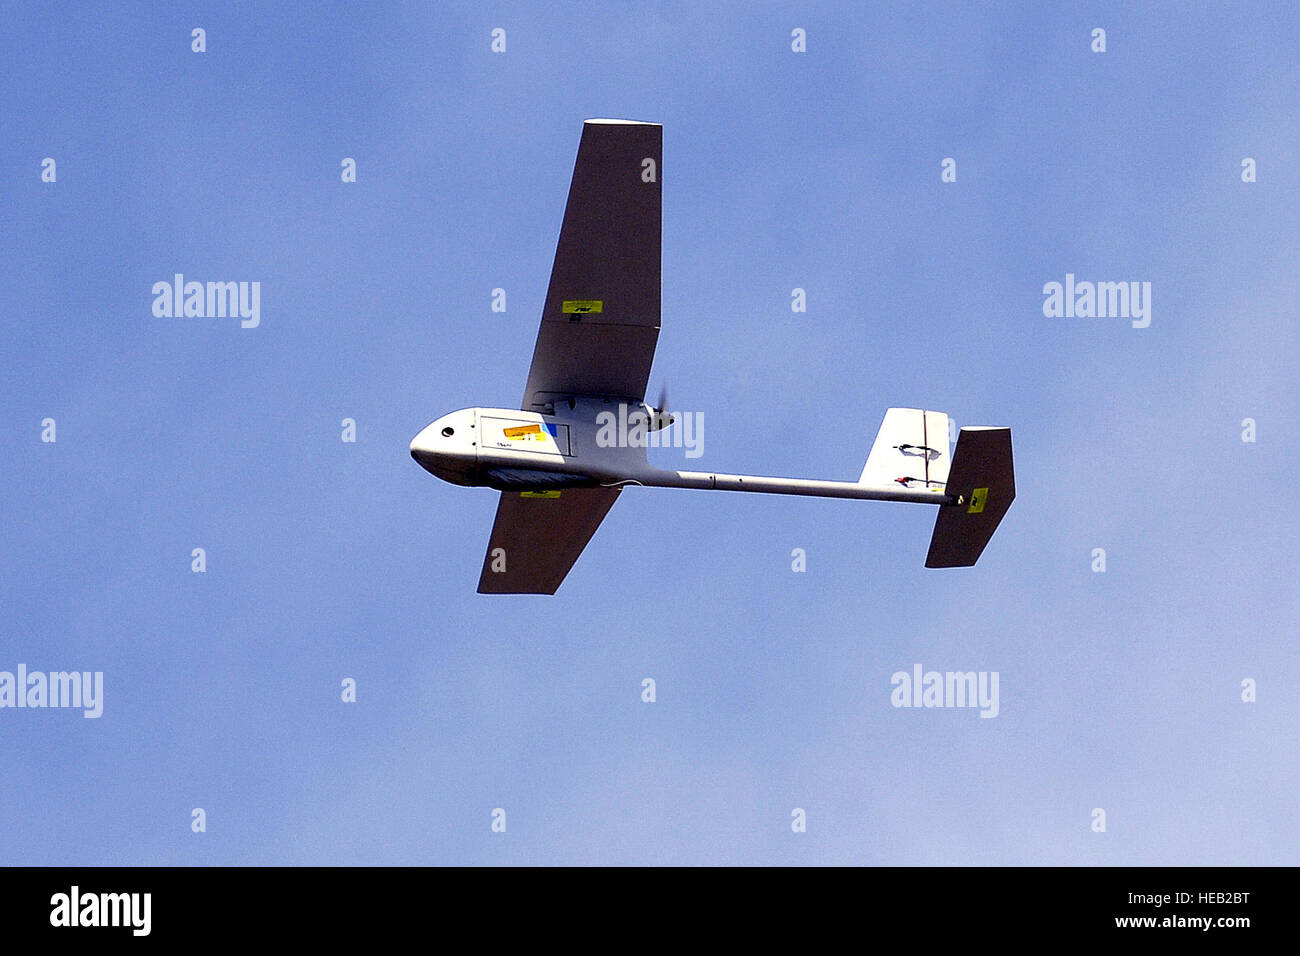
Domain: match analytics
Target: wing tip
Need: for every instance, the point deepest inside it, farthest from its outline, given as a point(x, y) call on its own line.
point(619, 122)
point(517, 590)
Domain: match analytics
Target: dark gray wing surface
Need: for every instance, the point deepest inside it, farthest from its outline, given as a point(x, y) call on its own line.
point(538, 536)
point(600, 323)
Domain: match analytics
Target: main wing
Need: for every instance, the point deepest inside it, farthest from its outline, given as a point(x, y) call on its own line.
point(600, 323)
point(538, 535)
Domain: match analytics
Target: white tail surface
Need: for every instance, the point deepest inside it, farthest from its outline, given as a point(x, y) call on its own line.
point(910, 451)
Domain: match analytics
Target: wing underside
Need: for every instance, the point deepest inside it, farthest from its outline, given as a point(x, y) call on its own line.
point(599, 328)
point(537, 536)
point(600, 322)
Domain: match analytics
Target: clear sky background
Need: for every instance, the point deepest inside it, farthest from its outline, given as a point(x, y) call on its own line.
point(1118, 690)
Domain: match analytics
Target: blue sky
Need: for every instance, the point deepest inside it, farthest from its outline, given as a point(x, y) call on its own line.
point(1118, 690)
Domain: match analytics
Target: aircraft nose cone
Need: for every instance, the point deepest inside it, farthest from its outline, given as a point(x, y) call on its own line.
point(437, 453)
point(422, 447)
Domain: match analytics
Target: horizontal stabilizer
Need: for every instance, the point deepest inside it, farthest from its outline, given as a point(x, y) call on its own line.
point(983, 476)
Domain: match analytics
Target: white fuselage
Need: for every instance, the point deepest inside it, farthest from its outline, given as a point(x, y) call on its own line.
point(514, 450)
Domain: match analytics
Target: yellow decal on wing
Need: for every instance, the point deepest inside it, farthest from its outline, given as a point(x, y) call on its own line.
point(977, 499)
point(582, 306)
point(539, 494)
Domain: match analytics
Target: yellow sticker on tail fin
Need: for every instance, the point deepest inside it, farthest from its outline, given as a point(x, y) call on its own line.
point(582, 306)
point(977, 499)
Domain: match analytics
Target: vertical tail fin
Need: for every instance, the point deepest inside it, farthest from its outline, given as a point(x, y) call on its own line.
point(983, 476)
point(911, 450)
